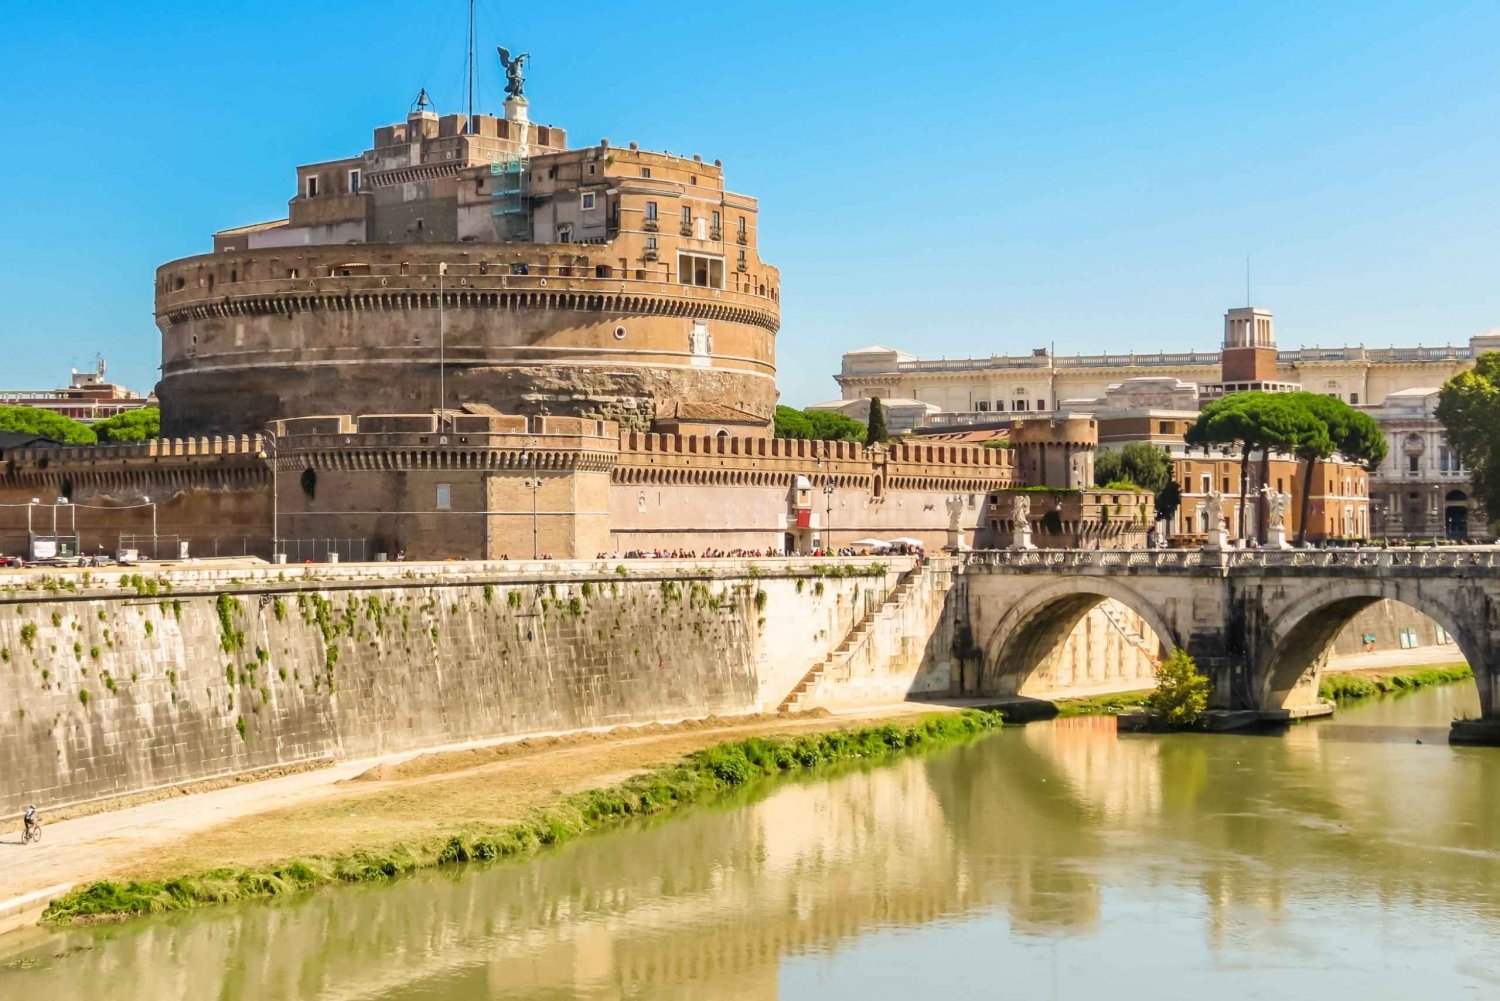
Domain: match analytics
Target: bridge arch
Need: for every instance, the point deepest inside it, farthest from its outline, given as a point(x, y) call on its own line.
point(1300, 633)
point(1032, 631)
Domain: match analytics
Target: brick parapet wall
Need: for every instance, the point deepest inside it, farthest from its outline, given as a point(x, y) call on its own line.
point(658, 458)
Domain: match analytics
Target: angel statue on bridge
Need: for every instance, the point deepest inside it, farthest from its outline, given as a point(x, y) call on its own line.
point(1213, 508)
point(515, 71)
point(1276, 505)
point(1020, 510)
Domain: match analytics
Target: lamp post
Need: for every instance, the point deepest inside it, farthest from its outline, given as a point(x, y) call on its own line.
point(828, 516)
point(31, 536)
point(72, 521)
point(274, 442)
point(534, 483)
point(152, 505)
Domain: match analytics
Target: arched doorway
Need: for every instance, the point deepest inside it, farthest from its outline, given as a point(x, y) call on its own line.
point(1456, 515)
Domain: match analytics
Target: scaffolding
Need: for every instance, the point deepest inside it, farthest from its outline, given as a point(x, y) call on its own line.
point(508, 203)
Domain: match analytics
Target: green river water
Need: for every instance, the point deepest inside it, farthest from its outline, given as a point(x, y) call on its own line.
point(1340, 859)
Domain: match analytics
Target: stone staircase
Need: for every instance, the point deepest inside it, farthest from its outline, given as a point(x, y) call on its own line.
point(857, 634)
point(1132, 637)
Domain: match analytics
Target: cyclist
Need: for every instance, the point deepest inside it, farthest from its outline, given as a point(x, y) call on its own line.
point(30, 821)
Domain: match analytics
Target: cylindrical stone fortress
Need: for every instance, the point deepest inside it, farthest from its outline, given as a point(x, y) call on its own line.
point(478, 261)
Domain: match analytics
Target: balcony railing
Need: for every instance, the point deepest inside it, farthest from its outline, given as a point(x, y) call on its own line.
point(742, 237)
point(715, 233)
point(686, 229)
point(650, 225)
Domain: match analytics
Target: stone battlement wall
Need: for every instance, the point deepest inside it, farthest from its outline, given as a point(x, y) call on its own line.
point(657, 458)
point(117, 683)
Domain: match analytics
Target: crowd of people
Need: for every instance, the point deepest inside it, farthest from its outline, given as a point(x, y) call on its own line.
point(901, 549)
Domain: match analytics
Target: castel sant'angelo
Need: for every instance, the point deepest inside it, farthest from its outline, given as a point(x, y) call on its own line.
point(474, 341)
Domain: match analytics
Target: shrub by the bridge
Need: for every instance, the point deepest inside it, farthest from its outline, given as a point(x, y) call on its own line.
point(1181, 693)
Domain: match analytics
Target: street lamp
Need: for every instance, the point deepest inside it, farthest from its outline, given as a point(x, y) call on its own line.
point(72, 521)
point(534, 484)
point(275, 446)
point(152, 506)
point(828, 489)
point(30, 536)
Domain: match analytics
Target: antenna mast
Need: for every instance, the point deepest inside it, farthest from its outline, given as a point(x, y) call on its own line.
point(470, 64)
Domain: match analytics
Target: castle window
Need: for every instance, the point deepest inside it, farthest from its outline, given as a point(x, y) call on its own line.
point(354, 182)
point(741, 229)
point(1041, 404)
point(520, 268)
point(651, 243)
point(646, 172)
point(591, 168)
point(1354, 399)
point(587, 201)
point(565, 234)
point(1164, 427)
point(445, 496)
point(650, 210)
point(687, 216)
point(312, 186)
point(705, 272)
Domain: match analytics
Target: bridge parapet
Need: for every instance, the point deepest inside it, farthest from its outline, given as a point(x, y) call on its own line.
point(1259, 622)
point(1198, 561)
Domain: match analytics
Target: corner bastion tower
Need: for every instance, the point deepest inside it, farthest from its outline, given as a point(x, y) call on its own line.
point(479, 260)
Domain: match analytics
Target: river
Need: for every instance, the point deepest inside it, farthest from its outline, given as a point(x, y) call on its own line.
point(1341, 858)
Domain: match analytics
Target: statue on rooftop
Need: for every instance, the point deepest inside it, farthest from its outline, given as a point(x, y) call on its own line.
point(515, 71)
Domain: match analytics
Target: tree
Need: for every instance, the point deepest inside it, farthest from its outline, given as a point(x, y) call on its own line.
point(1339, 428)
point(1146, 466)
point(830, 425)
point(876, 433)
point(1181, 693)
point(132, 425)
point(33, 420)
point(1469, 408)
point(1168, 500)
point(817, 425)
point(792, 423)
point(1254, 421)
point(1142, 464)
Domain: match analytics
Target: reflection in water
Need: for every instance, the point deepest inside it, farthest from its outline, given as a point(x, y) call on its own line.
point(1054, 859)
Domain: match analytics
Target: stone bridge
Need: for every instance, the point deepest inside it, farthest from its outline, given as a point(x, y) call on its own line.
point(1259, 623)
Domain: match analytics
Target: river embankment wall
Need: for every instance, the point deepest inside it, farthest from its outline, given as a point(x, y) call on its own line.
point(115, 683)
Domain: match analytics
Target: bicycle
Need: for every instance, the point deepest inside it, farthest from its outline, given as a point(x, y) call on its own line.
point(31, 832)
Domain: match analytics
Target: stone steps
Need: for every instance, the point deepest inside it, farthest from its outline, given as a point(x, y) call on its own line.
point(855, 636)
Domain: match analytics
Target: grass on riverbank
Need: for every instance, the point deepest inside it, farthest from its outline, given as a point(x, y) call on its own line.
point(1112, 704)
point(1345, 686)
point(698, 778)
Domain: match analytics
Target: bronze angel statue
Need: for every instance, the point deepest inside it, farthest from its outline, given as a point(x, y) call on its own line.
point(515, 78)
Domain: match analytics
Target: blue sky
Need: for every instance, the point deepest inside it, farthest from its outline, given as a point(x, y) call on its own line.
point(951, 179)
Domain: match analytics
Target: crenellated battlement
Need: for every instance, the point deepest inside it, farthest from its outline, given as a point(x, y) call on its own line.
point(160, 448)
